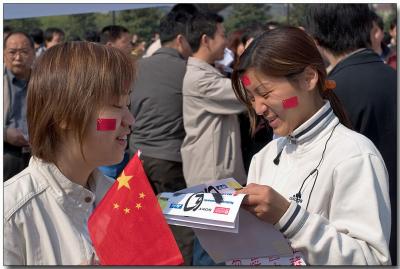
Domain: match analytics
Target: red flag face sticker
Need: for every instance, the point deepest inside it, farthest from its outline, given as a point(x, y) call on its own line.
point(106, 124)
point(246, 81)
point(290, 102)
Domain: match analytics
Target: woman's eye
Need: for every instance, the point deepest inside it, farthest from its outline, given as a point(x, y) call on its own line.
point(118, 106)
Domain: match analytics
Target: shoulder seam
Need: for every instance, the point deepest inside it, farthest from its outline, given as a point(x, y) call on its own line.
point(23, 201)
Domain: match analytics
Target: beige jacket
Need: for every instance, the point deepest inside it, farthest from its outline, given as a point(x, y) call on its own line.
point(45, 216)
point(211, 149)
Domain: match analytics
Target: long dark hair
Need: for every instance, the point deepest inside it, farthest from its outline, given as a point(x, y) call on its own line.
point(284, 52)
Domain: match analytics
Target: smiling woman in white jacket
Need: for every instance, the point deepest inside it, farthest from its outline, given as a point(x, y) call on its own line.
point(78, 119)
point(324, 186)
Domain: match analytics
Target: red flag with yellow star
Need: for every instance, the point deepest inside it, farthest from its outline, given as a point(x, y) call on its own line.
point(128, 227)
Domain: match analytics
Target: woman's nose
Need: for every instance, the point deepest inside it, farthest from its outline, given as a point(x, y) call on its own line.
point(259, 106)
point(127, 119)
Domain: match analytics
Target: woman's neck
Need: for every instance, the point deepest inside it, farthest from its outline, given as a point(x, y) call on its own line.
point(73, 167)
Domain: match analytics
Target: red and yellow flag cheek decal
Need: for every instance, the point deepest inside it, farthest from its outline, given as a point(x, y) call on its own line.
point(246, 80)
point(106, 124)
point(290, 102)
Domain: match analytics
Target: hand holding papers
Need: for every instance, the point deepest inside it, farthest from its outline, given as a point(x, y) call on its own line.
point(207, 206)
point(232, 235)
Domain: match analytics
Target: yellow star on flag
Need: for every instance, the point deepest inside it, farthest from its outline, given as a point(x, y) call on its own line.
point(116, 206)
point(138, 206)
point(123, 181)
point(127, 210)
point(142, 195)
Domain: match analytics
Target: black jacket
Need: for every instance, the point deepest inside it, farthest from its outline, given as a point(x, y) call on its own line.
point(368, 90)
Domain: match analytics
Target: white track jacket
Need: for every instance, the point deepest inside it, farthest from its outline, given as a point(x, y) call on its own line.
point(348, 219)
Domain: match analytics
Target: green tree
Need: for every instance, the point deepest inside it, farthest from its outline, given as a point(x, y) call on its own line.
point(390, 17)
point(103, 19)
point(244, 15)
point(297, 13)
point(143, 22)
point(79, 24)
point(25, 25)
point(54, 21)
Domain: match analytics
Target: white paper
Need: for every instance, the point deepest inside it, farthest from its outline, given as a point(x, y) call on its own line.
point(237, 237)
point(255, 239)
point(202, 210)
point(296, 259)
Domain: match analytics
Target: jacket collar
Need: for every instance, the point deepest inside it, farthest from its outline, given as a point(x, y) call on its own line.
point(192, 61)
point(68, 194)
point(313, 126)
point(169, 51)
point(362, 56)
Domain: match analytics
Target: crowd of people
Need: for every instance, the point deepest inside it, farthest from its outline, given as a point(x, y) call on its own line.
point(305, 118)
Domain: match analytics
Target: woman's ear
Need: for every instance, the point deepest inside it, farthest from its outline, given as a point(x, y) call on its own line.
point(310, 78)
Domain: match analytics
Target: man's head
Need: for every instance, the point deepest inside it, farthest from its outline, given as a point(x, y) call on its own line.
point(339, 28)
point(118, 37)
point(207, 36)
point(19, 54)
point(37, 36)
point(91, 36)
point(377, 32)
point(53, 36)
point(174, 30)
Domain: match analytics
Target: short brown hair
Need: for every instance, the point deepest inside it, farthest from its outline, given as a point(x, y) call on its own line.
point(284, 52)
point(69, 83)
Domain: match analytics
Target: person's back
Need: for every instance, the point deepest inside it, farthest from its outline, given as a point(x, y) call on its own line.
point(157, 105)
point(367, 89)
point(364, 84)
point(212, 143)
point(211, 149)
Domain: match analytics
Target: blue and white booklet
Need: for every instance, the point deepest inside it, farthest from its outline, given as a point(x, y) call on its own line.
point(207, 206)
point(228, 233)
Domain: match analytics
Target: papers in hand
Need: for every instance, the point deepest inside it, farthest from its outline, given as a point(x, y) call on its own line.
point(206, 206)
point(235, 237)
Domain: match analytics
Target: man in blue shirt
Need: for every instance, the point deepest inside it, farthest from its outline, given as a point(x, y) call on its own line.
point(19, 54)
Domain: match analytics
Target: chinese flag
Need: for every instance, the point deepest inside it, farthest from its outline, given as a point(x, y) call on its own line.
point(128, 227)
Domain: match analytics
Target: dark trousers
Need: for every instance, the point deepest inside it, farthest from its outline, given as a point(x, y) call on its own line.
point(167, 176)
point(14, 160)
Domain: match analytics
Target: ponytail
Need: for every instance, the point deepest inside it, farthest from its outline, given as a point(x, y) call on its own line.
point(337, 107)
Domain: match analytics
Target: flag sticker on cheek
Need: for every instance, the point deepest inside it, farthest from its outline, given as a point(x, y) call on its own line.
point(106, 124)
point(245, 80)
point(290, 102)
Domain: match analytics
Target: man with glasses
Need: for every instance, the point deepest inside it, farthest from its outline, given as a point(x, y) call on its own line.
point(19, 54)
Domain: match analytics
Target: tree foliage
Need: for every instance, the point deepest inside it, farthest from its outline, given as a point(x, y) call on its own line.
point(297, 14)
point(25, 25)
point(244, 15)
point(143, 22)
